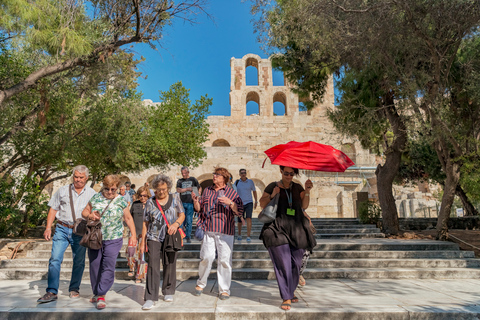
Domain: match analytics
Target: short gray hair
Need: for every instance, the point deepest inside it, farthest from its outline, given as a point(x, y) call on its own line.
point(80, 169)
point(161, 179)
point(128, 183)
point(184, 168)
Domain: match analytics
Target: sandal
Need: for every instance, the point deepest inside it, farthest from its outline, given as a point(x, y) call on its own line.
point(93, 299)
point(130, 274)
point(294, 299)
point(286, 306)
point(138, 281)
point(101, 303)
point(74, 294)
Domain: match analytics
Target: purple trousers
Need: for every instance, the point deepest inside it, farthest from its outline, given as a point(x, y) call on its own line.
point(287, 261)
point(102, 266)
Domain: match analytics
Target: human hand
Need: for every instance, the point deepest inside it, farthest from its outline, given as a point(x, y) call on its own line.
point(95, 215)
point(132, 241)
point(225, 201)
point(47, 234)
point(172, 229)
point(308, 185)
point(276, 190)
point(195, 198)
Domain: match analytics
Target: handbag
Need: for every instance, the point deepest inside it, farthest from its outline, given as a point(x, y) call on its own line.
point(92, 238)
point(269, 213)
point(80, 224)
point(172, 242)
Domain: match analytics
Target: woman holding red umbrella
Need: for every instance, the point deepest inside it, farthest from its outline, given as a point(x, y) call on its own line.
point(289, 235)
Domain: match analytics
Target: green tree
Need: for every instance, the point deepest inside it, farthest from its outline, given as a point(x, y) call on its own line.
point(415, 42)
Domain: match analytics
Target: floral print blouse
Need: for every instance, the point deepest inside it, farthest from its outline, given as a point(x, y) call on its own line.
point(157, 227)
point(112, 222)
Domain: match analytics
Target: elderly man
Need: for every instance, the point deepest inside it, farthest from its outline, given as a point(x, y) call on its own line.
point(125, 194)
point(185, 187)
point(245, 188)
point(67, 205)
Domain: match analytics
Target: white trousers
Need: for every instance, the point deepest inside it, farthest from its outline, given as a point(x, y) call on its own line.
point(223, 244)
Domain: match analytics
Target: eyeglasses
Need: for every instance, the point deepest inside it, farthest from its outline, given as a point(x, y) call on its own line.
point(291, 174)
point(217, 174)
point(162, 189)
point(110, 189)
point(143, 196)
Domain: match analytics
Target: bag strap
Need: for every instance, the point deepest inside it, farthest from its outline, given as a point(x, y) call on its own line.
point(161, 210)
point(72, 208)
point(106, 207)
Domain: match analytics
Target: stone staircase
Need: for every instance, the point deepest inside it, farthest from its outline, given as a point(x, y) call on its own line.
point(346, 249)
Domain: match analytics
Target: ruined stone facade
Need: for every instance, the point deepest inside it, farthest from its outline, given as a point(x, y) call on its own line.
point(238, 141)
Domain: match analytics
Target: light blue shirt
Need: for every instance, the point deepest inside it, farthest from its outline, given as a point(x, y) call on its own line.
point(60, 202)
point(244, 190)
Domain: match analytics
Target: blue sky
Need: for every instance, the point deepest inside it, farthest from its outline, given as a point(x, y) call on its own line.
point(199, 55)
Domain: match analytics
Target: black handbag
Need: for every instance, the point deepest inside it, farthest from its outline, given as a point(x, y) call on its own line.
point(172, 242)
point(93, 238)
point(269, 213)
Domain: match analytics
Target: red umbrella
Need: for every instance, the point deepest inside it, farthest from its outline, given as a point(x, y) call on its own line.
point(309, 156)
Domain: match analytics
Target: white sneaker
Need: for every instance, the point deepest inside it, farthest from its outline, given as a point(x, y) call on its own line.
point(168, 298)
point(148, 305)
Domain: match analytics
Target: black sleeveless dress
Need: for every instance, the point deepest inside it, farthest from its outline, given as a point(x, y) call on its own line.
point(288, 229)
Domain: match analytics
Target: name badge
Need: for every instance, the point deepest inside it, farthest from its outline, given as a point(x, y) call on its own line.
point(291, 212)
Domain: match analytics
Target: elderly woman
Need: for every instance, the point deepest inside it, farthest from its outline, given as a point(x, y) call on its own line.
point(109, 207)
point(289, 235)
point(154, 231)
point(136, 210)
point(217, 207)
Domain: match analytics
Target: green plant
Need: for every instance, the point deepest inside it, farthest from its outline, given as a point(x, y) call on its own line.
point(369, 212)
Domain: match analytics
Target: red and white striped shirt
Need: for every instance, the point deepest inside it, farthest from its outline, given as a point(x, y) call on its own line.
point(214, 216)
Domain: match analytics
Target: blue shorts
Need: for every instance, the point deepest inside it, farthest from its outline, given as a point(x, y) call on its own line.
point(247, 211)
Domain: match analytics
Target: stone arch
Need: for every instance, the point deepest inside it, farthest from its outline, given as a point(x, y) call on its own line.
point(280, 97)
point(253, 96)
point(123, 179)
point(349, 150)
point(150, 179)
point(220, 143)
point(206, 183)
point(259, 185)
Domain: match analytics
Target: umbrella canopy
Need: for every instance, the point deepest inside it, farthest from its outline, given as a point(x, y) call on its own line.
point(309, 156)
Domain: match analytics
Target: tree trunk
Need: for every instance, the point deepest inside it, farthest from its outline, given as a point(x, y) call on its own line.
point(386, 173)
point(452, 171)
point(467, 205)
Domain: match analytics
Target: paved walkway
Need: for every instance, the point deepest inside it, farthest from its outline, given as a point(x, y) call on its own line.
point(257, 299)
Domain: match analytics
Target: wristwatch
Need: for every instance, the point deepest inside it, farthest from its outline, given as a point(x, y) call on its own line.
point(231, 202)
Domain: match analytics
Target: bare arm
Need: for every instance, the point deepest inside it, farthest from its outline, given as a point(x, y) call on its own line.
point(48, 229)
point(131, 225)
point(305, 195)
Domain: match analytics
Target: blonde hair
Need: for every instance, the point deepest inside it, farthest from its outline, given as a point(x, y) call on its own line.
point(112, 180)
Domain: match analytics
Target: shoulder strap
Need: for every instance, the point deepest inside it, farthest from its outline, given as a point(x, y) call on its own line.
point(72, 208)
point(236, 183)
point(106, 207)
point(163, 214)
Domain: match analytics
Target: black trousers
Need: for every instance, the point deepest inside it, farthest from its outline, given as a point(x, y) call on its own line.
point(153, 272)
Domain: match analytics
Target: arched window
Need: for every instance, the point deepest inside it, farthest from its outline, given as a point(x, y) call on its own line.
point(251, 72)
point(279, 104)
point(253, 103)
point(220, 143)
point(278, 78)
point(349, 150)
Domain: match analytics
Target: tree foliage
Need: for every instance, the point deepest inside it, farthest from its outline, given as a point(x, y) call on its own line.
point(417, 44)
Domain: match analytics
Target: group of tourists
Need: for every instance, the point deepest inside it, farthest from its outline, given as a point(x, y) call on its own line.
point(152, 220)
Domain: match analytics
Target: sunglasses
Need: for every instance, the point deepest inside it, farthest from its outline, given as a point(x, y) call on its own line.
point(217, 174)
point(291, 174)
point(110, 189)
point(143, 196)
point(243, 173)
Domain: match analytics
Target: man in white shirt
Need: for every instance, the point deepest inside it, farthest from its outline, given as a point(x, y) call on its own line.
point(245, 188)
point(60, 209)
